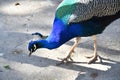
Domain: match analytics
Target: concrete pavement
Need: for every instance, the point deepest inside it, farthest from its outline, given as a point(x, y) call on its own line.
point(17, 22)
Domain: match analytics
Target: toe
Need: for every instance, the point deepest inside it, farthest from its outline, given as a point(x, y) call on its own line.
point(93, 60)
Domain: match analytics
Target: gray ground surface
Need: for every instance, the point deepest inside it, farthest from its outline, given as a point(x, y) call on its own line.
point(16, 25)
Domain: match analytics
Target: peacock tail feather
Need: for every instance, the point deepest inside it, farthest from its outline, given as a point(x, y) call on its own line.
point(79, 10)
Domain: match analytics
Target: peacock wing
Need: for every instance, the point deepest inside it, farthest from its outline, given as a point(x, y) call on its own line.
point(86, 9)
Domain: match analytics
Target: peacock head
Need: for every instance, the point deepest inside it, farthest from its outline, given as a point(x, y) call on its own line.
point(32, 47)
point(39, 43)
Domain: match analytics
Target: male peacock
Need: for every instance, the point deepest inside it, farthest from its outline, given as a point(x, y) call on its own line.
point(78, 18)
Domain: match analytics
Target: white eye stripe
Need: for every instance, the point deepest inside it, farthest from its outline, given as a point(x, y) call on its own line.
point(35, 47)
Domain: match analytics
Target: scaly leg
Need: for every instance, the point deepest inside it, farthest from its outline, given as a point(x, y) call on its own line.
point(94, 56)
point(77, 39)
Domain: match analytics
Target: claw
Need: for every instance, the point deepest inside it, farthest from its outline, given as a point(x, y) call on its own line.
point(71, 59)
point(93, 60)
point(65, 60)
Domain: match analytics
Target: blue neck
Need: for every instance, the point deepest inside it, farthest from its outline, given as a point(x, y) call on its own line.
point(58, 36)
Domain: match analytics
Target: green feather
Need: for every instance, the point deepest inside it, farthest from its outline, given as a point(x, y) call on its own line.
point(65, 10)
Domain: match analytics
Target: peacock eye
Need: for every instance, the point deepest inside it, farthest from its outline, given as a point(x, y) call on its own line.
point(35, 47)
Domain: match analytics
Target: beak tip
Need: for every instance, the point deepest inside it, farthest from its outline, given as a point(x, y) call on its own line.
point(29, 54)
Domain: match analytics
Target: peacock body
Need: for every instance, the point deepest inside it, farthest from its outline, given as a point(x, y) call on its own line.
point(78, 18)
point(66, 26)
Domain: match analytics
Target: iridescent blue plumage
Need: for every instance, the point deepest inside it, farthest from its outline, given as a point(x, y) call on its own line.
point(63, 30)
point(62, 33)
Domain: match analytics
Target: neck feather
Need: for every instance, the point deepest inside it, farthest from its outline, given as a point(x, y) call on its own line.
point(59, 35)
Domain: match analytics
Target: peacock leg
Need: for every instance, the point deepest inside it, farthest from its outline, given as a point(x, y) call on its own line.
point(94, 56)
point(65, 60)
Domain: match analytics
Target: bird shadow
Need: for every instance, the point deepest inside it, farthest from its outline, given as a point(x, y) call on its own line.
point(98, 74)
point(83, 68)
point(45, 62)
point(39, 61)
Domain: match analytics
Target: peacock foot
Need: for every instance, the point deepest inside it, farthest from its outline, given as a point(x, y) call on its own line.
point(93, 59)
point(65, 60)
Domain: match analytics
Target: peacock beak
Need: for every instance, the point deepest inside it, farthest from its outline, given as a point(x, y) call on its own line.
point(30, 53)
point(33, 50)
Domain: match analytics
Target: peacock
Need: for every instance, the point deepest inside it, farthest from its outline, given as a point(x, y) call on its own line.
point(76, 19)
